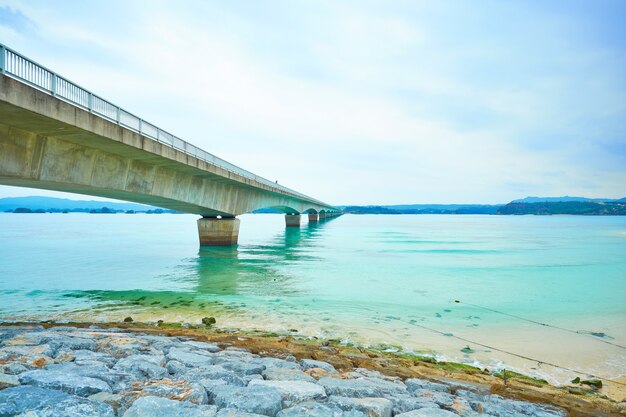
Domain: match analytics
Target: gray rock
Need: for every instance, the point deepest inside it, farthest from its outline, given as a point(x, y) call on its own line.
point(414, 383)
point(216, 372)
point(8, 381)
point(26, 353)
point(190, 358)
point(39, 402)
point(142, 365)
point(243, 368)
point(259, 400)
point(311, 363)
point(404, 404)
point(114, 400)
point(286, 374)
point(313, 409)
point(429, 412)
point(362, 387)
point(73, 384)
point(277, 363)
point(231, 412)
point(87, 356)
point(233, 355)
point(14, 368)
point(372, 407)
point(93, 369)
point(443, 399)
point(209, 347)
point(248, 378)
point(176, 368)
point(293, 392)
point(162, 407)
point(209, 384)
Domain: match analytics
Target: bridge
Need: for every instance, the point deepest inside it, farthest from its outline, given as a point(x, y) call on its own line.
point(59, 136)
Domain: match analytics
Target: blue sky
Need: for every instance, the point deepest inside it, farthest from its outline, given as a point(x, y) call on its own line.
point(361, 102)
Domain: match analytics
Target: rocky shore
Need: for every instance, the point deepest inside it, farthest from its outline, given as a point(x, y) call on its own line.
point(100, 371)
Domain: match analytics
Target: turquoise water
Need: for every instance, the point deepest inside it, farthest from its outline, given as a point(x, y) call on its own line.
point(367, 279)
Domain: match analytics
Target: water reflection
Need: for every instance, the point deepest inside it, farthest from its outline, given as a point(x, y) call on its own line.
point(256, 269)
point(219, 275)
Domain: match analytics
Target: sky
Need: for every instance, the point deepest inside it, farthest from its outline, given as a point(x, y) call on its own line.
point(361, 102)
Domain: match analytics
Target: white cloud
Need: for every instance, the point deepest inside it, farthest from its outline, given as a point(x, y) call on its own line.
point(357, 104)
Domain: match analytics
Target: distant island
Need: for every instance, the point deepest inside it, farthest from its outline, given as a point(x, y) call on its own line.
point(529, 205)
point(64, 205)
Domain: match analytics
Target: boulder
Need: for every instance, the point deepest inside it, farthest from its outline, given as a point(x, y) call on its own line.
point(293, 392)
point(311, 363)
point(414, 384)
point(372, 407)
point(42, 402)
point(286, 374)
point(162, 407)
point(8, 381)
point(428, 412)
point(70, 383)
point(190, 358)
point(313, 409)
point(209, 347)
point(146, 366)
point(443, 399)
point(231, 412)
point(258, 400)
point(362, 387)
point(242, 368)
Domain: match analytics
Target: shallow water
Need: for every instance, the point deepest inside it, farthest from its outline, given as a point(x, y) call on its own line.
point(368, 279)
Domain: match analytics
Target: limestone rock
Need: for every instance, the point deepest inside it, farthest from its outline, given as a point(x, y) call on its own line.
point(8, 381)
point(42, 402)
point(231, 412)
point(209, 347)
point(414, 383)
point(259, 400)
point(71, 383)
point(293, 392)
point(189, 358)
point(311, 363)
point(286, 374)
point(372, 407)
point(144, 365)
point(428, 412)
point(162, 407)
point(362, 387)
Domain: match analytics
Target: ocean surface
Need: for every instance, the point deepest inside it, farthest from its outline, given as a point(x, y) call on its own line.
point(524, 293)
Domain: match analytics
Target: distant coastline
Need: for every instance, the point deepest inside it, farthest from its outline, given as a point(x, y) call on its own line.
point(526, 206)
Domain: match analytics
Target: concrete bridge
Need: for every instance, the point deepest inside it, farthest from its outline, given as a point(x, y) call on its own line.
point(58, 136)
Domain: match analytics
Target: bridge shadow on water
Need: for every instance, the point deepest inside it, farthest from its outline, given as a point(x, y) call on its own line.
point(221, 278)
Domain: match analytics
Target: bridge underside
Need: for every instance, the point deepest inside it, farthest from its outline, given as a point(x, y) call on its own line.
point(50, 144)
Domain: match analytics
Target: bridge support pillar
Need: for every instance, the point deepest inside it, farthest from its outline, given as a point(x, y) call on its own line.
point(313, 217)
point(322, 216)
point(292, 220)
point(218, 232)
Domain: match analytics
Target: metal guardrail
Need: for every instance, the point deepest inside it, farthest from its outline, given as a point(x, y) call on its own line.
point(29, 72)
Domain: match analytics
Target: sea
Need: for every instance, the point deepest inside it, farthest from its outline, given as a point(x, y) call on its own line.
point(542, 295)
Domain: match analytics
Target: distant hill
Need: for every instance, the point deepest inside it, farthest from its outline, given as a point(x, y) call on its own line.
point(52, 204)
point(586, 208)
point(566, 198)
point(424, 209)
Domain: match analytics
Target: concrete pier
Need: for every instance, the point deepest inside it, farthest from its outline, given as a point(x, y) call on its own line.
point(218, 232)
point(292, 220)
point(322, 216)
point(313, 217)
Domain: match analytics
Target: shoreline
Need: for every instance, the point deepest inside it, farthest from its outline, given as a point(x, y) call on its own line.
point(578, 399)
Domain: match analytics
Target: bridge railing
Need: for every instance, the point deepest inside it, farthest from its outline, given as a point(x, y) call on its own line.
point(29, 72)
